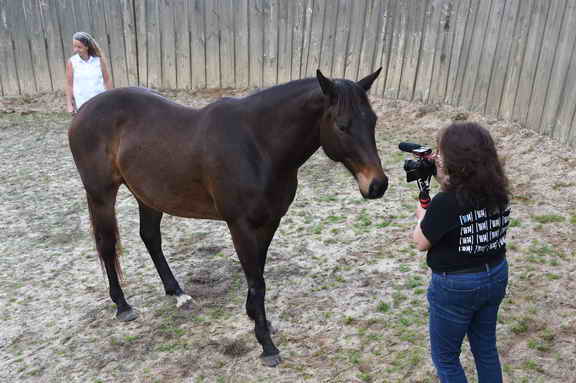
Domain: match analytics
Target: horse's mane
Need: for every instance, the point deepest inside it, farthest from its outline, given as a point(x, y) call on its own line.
point(349, 95)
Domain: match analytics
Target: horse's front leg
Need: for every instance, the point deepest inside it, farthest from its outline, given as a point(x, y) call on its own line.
point(251, 243)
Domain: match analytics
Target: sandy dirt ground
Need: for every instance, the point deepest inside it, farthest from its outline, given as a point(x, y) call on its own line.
point(346, 288)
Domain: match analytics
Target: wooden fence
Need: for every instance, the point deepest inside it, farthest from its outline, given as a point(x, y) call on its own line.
point(507, 58)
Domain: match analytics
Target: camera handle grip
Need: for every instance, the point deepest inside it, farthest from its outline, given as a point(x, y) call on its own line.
point(424, 198)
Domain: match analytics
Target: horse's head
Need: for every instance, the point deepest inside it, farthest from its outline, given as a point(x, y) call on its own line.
point(347, 132)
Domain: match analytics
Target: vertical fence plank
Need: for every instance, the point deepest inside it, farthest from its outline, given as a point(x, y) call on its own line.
point(182, 44)
point(488, 55)
point(24, 62)
point(501, 59)
point(68, 26)
point(36, 35)
point(3, 40)
point(242, 59)
point(429, 45)
point(426, 55)
point(414, 32)
point(315, 42)
point(299, 10)
point(532, 54)
point(378, 13)
point(115, 28)
point(56, 56)
point(284, 41)
point(564, 127)
point(131, 50)
point(10, 85)
point(256, 42)
point(271, 53)
point(212, 45)
point(561, 65)
point(328, 39)
point(341, 38)
point(459, 24)
point(141, 26)
point(475, 52)
point(84, 16)
point(541, 81)
point(100, 33)
point(226, 43)
point(519, 40)
point(198, 43)
point(397, 50)
point(462, 71)
point(354, 47)
point(167, 43)
point(370, 41)
point(385, 44)
point(445, 12)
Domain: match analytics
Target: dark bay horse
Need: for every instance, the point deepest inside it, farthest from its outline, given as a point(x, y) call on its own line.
point(234, 160)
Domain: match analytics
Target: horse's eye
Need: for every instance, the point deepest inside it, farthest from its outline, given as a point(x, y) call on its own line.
point(343, 127)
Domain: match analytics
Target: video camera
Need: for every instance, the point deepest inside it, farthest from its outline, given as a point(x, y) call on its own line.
point(421, 170)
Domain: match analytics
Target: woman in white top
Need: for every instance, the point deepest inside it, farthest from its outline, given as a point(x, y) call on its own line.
point(86, 72)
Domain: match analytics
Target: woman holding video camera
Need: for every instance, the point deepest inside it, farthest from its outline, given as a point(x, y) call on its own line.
point(464, 232)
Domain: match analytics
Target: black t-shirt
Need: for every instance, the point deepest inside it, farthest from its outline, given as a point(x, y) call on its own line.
point(462, 236)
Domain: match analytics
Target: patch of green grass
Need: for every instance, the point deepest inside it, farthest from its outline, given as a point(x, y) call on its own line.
point(552, 277)
point(543, 250)
point(539, 345)
point(558, 185)
point(332, 219)
point(354, 357)
point(548, 218)
point(573, 220)
point(515, 222)
point(414, 281)
point(317, 229)
point(404, 268)
point(383, 307)
point(532, 365)
point(363, 220)
point(521, 325)
point(131, 338)
point(398, 298)
point(383, 224)
point(365, 377)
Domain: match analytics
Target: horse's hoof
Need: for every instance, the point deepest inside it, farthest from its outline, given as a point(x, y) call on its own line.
point(183, 299)
point(270, 360)
point(127, 316)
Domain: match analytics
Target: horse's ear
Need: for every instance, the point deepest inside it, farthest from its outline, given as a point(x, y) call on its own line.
point(327, 85)
point(367, 81)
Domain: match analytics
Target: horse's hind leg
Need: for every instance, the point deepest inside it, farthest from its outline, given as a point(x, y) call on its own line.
point(150, 234)
point(105, 228)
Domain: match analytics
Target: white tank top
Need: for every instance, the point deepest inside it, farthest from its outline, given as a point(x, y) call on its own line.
point(88, 80)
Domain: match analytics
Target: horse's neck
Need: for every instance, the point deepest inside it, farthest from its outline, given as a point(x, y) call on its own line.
point(290, 129)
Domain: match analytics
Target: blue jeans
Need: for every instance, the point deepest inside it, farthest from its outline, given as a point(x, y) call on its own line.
point(466, 304)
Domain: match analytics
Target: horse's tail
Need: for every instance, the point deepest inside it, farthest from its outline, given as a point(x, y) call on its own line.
point(107, 238)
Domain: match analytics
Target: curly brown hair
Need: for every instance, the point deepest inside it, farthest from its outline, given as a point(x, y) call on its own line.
point(472, 164)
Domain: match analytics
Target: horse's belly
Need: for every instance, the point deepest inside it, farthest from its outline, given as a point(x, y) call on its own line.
point(167, 185)
point(192, 201)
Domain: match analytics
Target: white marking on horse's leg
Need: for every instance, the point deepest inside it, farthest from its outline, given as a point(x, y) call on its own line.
point(182, 299)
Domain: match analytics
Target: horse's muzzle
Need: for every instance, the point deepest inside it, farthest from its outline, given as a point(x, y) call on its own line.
point(377, 188)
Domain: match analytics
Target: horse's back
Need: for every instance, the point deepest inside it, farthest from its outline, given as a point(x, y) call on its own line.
point(151, 144)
